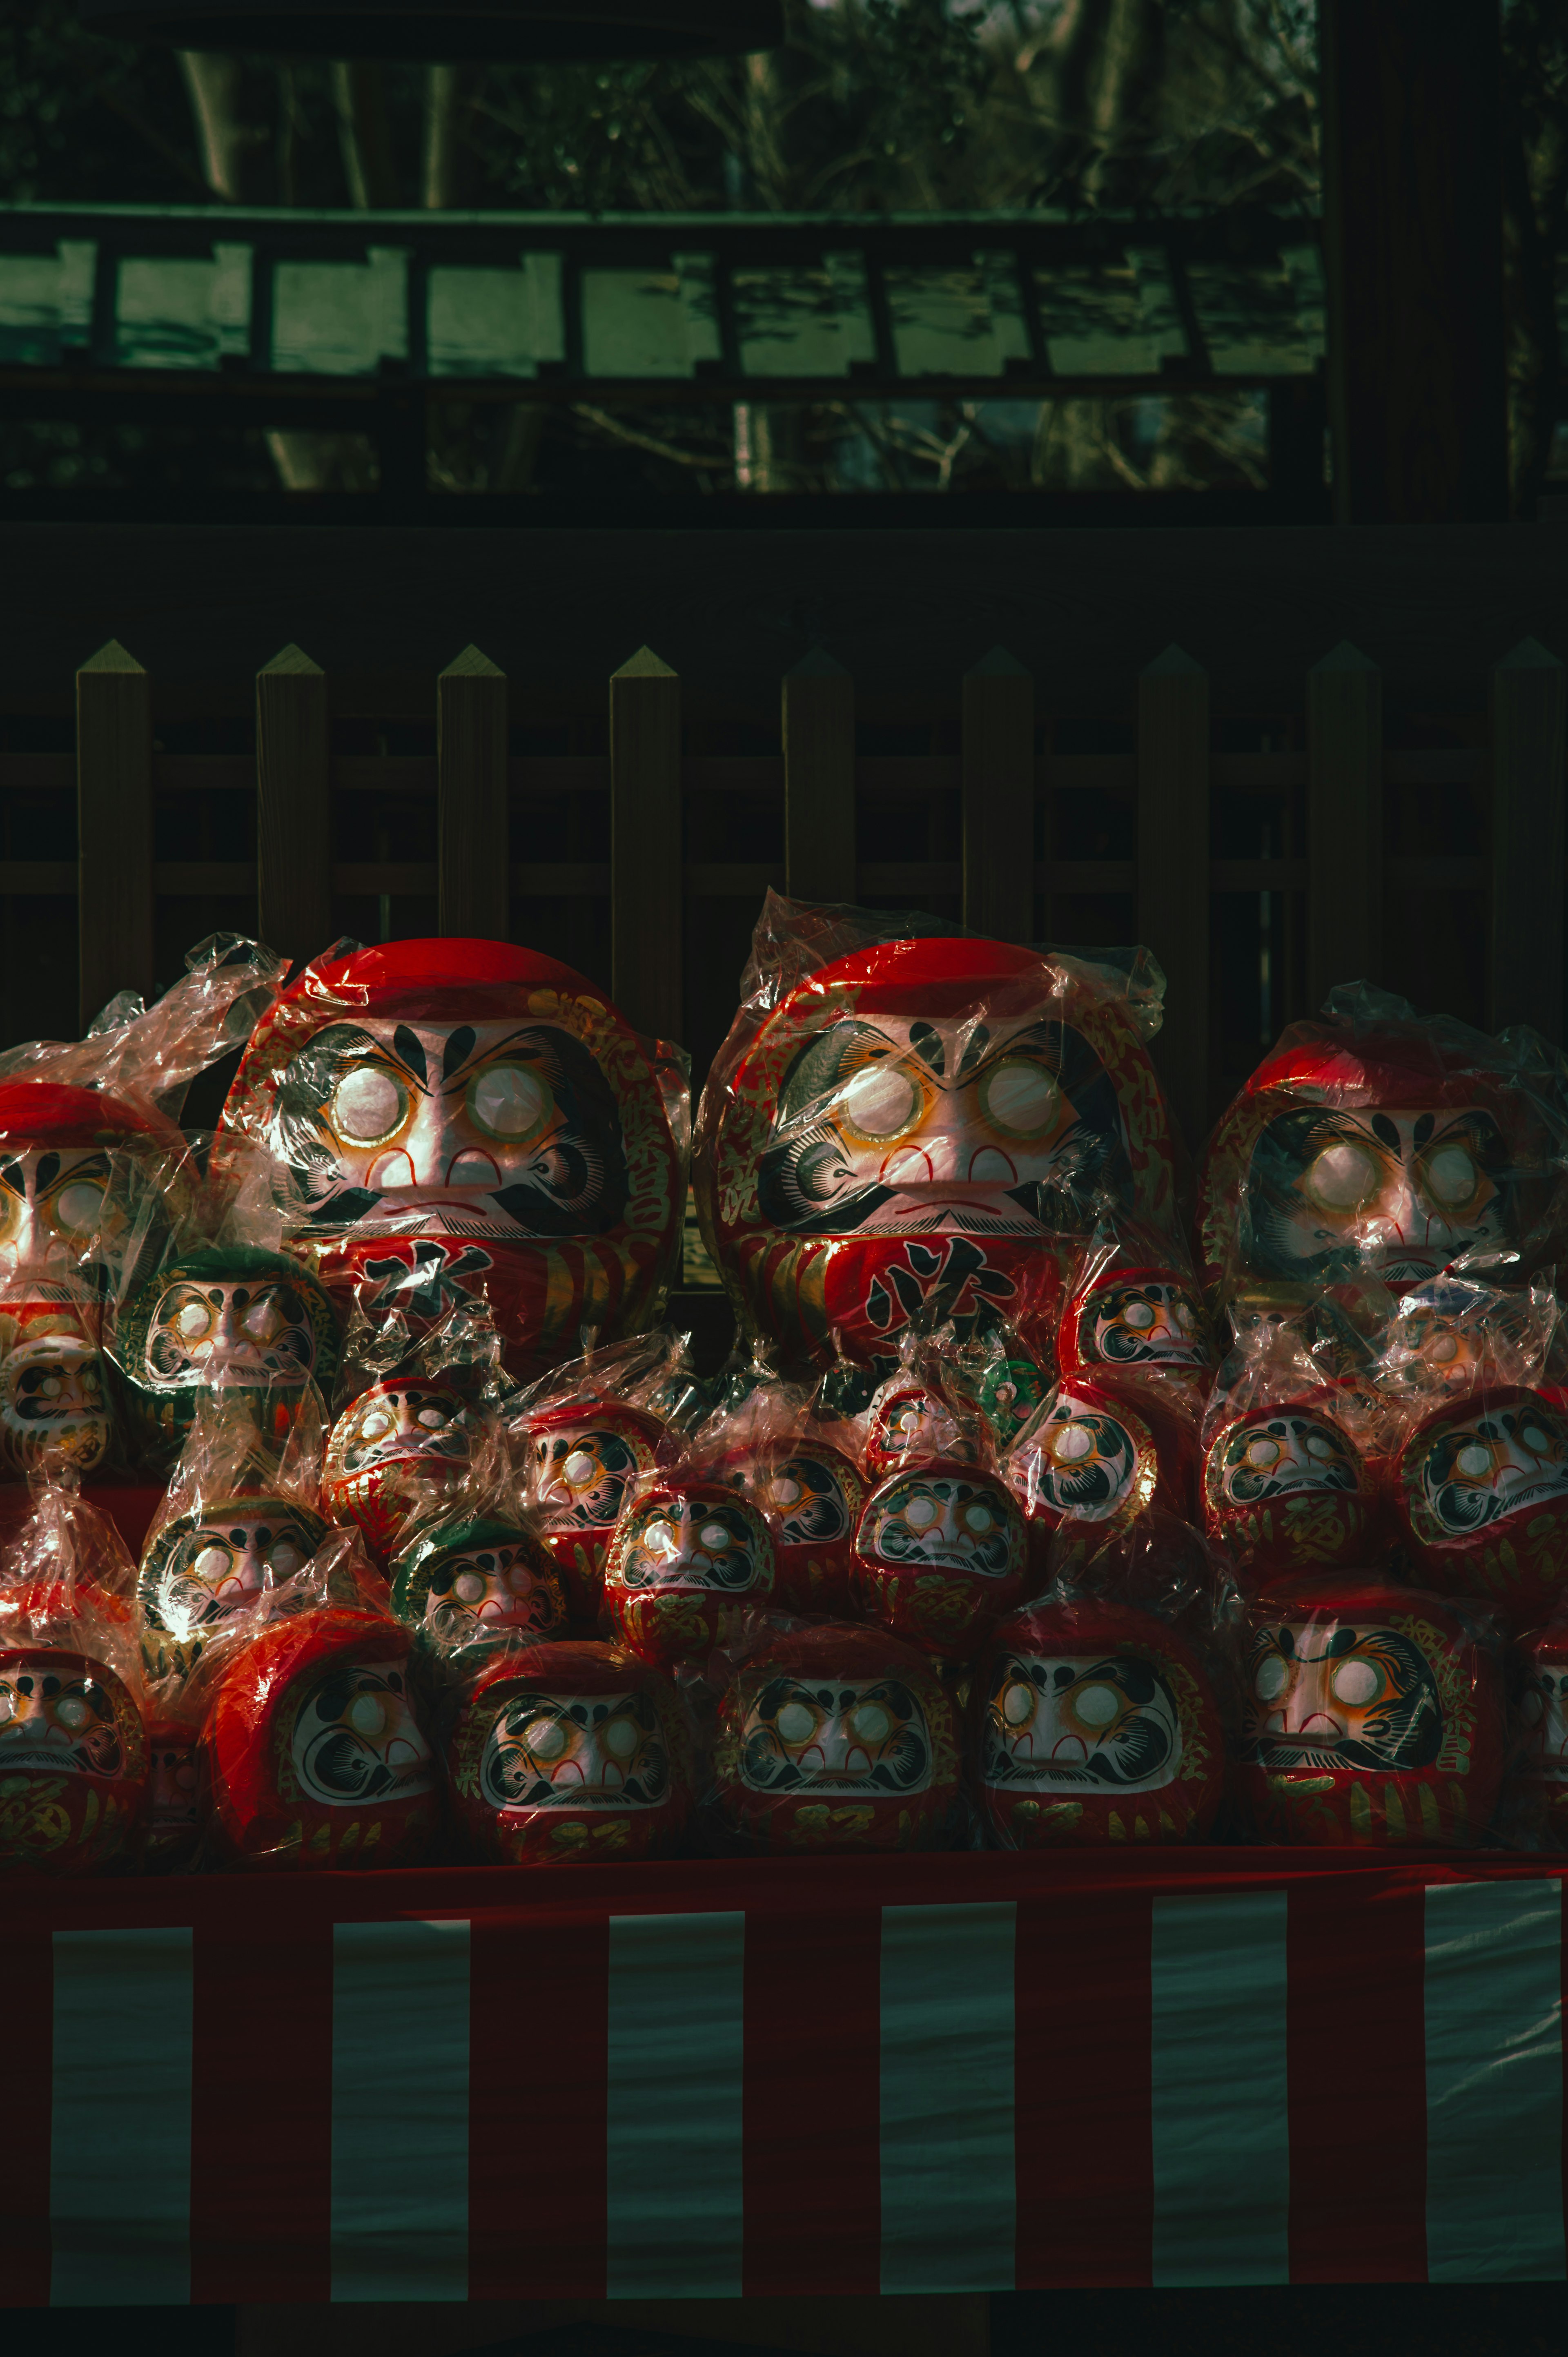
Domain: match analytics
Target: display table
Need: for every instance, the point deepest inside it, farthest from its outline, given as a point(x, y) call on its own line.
point(933, 2075)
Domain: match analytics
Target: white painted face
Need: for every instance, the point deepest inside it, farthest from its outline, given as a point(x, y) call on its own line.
point(1086, 1463)
point(55, 1721)
point(1405, 1190)
point(1284, 1457)
point(52, 1403)
point(250, 1332)
point(1328, 1693)
point(355, 1740)
point(396, 1421)
point(1080, 1723)
point(1544, 1714)
point(576, 1752)
point(51, 1205)
point(862, 1738)
point(943, 1522)
point(583, 1476)
point(480, 1591)
point(1149, 1323)
point(1491, 1467)
point(223, 1565)
point(685, 1543)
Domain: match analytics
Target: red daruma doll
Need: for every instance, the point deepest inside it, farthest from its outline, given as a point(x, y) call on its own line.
point(939, 1555)
point(689, 1560)
point(1286, 1490)
point(1374, 1715)
point(587, 1456)
point(1481, 1490)
point(73, 1747)
point(1096, 1455)
point(837, 1737)
point(570, 1754)
point(811, 1496)
point(403, 1446)
point(313, 1753)
point(1095, 1722)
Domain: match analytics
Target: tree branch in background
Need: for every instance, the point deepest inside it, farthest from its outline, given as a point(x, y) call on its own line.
point(364, 134)
point(230, 146)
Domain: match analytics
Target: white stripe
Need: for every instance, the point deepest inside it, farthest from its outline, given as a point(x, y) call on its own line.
point(1494, 2082)
point(949, 2185)
point(1221, 2125)
point(120, 2148)
point(674, 2159)
point(399, 2111)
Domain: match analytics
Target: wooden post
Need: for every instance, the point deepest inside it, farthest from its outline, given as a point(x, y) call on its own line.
point(819, 779)
point(293, 810)
point(1173, 872)
point(471, 756)
point(646, 966)
point(1344, 822)
point(115, 828)
point(1413, 236)
point(1527, 840)
point(999, 798)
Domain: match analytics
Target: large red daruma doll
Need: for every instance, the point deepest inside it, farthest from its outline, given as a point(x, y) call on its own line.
point(1373, 1714)
point(837, 1737)
point(910, 1130)
point(466, 1118)
point(1286, 1490)
point(689, 1561)
point(1095, 1723)
point(313, 1754)
point(73, 1746)
point(570, 1754)
point(1481, 1490)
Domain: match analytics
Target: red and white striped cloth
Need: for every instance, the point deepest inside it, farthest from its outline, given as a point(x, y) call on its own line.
point(944, 2074)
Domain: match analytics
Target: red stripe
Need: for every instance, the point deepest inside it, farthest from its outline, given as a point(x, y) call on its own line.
point(25, 2248)
point(261, 2131)
point(812, 2101)
point(1084, 2117)
point(538, 2105)
point(1357, 2074)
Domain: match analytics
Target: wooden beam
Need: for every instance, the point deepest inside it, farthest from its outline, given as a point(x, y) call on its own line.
point(115, 828)
point(471, 723)
point(647, 973)
point(999, 798)
point(819, 779)
point(1412, 233)
point(1528, 786)
point(1344, 822)
point(1173, 873)
point(293, 809)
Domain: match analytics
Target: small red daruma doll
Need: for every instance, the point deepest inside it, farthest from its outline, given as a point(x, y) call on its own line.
point(1373, 1714)
point(1539, 1781)
point(941, 1556)
point(1286, 1490)
point(570, 1754)
point(1139, 1321)
point(1095, 1456)
point(811, 1496)
point(911, 1422)
point(171, 1829)
point(1481, 1490)
point(1095, 1722)
point(688, 1561)
point(837, 1737)
point(587, 1455)
point(403, 1444)
point(313, 1754)
point(73, 1746)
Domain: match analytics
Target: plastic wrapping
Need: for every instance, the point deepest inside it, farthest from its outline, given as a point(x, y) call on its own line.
point(474, 1570)
point(1456, 1331)
point(1285, 1489)
point(691, 1558)
point(939, 1555)
point(1374, 1715)
point(574, 1753)
point(1096, 1455)
point(836, 1736)
point(810, 1493)
point(899, 1133)
point(466, 1118)
point(1132, 1308)
point(1373, 1139)
point(57, 1410)
point(1095, 1721)
point(586, 1440)
point(1481, 1492)
point(920, 1411)
point(404, 1446)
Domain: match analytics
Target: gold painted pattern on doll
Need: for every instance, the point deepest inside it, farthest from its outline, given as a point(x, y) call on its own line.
point(856, 1738)
point(1543, 1718)
point(1087, 1462)
point(52, 1403)
point(1284, 1457)
point(224, 1563)
point(1075, 1722)
point(583, 1477)
point(1132, 1325)
point(941, 1523)
point(482, 1590)
point(683, 1545)
point(904, 1128)
point(1328, 1694)
point(355, 1739)
point(51, 1205)
point(1404, 1192)
point(806, 1498)
point(209, 1332)
point(56, 1722)
point(1478, 1472)
point(398, 1421)
point(467, 1129)
point(576, 1752)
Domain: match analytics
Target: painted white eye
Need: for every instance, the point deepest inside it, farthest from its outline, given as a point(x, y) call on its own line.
point(212, 1565)
point(871, 1723)
point(881, 1100)
point(375, 1426)
point(71, 1711)
point(288, 1558)
point(367, 1105)
point(8, 1705)
point(796, 1723)
point(1184, 1319)
point(468, 1587)
point(264, 1319)
point(660, 1539)
point(1441, 1351)
point(193, 1321)
point(520, 1579)
point(1535, 1440)
point(1355, 1683)
point(432, 1418)
point(78, 1207)
point(580, 1468)
point(979, 1518)
point(1271, 1677)
point(715, 1535)
point(367, 1715)
point(51, 1388)
point(1474, 1461)
point(1097, 1705)
point(619, 1739)
point(1072, 1443)
point(545, 1738)
point(1263, 1452)
point(921, 1512)
point(1017, 1705)
point(508, 1101)
point(1020, 1097)
point(787, 1491)
point(1343, 1176)
point(1451, 1175)
point(1319, 1445)
point(1139, 1316)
